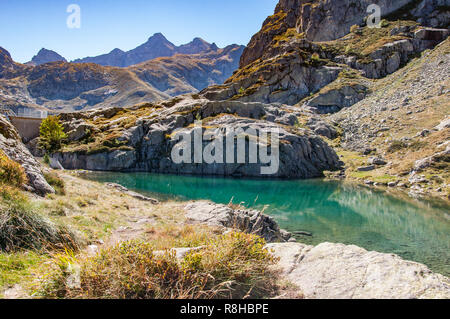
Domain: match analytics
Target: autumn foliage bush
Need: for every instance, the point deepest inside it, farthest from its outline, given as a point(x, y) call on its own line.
point(234, 265)
point(11, 173)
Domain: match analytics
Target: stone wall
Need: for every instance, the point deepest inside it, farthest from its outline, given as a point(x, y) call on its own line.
point(28, 128)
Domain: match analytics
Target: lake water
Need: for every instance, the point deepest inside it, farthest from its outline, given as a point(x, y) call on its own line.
point(332, 211)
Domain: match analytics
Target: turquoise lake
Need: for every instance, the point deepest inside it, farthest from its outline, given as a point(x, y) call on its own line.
point(332, 211)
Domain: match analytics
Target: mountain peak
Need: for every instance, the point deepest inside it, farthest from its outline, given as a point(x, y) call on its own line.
point(116, 51)
point(7, 65)
point(195, 46)
point(5, 56)
point(198, 40)
point(214, 47)
point(46, 56)
point(157, 37)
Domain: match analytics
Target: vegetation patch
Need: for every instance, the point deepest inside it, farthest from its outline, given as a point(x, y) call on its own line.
point(234, 265)
point(11, 173)
point(289, 35)
point(363, 41)
point(21, 227)
point(56, 182)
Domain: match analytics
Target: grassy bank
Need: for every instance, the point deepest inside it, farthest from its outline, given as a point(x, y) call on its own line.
point(52, 236)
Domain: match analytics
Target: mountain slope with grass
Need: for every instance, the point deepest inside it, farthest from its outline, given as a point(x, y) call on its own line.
point(403, 127)
point(61, 87)
point(377, 95)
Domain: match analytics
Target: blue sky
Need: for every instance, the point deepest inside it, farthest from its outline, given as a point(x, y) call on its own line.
point(26, 26)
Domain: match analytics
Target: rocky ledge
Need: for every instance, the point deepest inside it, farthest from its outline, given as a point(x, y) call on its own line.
point(146, 144)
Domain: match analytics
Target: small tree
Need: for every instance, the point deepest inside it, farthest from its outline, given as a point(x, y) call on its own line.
point(51, 134)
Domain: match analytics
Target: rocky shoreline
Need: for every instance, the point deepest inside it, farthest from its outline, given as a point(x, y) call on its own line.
point(328, 270)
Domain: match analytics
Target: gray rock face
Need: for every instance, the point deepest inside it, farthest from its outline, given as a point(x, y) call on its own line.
point(332, 19)
point(63, 81)
point(149, 145)
point(336, 271)
point(11, 145)
point(334, 100)
point(68, 87)
point(77, 129)
point(8, 68)
point(248, 221)
point(391, 56)
point(287, 80)
point(444, 124)
point(424, 163)
point(377, 161)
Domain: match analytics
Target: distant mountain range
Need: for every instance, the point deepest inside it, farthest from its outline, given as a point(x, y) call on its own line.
point(155, 70)
point(157, 46)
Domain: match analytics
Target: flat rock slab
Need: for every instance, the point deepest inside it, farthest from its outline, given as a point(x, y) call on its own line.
point(336, 271)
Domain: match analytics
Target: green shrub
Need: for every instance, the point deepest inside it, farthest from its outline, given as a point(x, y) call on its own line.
point(51, 134)
point(231, 266)
point(56, 182)
point(46, 159)
point(396, 146)
point(11, 173)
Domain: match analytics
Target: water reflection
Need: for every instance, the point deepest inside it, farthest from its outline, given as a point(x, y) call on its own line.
point(332, 211)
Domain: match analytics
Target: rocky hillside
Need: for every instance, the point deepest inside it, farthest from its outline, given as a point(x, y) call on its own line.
point(62, 87)
point(157, 46)
point(46, 56)
point(141, 139)
point(185, 73)
point(321, 58)
point(403, 127)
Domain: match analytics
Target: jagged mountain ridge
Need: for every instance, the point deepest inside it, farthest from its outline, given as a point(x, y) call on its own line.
point(157, 46)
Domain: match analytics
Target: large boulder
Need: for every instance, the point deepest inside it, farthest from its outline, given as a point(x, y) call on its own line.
point(13, 147)
point(336, 271)
point(246, 220)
